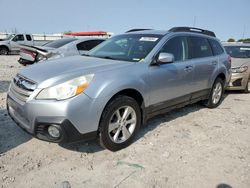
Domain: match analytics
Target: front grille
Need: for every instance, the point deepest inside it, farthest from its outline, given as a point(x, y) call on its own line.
point(22, 88)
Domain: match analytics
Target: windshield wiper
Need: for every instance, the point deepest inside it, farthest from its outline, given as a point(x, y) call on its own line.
point(85, 55)
point(105, 57)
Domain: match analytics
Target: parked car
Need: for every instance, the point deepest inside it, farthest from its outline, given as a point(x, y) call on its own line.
point(11, 44)
point(240, 57)
point(114, 89)
point(56, 49)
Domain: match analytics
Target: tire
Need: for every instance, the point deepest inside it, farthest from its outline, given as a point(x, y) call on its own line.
point(115, 131)
point(247, 89)
point(216, 93)
point(4, 50)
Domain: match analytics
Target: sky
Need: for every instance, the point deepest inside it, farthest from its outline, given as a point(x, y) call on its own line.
point(227, 18)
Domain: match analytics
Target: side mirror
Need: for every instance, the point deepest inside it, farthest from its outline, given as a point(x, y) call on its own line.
point(165, 58)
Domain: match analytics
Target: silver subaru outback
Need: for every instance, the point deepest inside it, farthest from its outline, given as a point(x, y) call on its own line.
point(114, 89)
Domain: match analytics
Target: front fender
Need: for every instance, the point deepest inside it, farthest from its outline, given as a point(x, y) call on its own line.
point(107, 86)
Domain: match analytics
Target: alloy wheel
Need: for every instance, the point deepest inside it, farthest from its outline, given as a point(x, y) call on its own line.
point(217, 93)
point(122, 124)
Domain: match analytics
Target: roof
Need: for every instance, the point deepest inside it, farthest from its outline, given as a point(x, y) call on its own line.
point(94, 33)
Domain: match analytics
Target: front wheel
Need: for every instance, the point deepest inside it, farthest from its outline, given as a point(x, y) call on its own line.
point(3, 51)
point(216, 94)
point(119, 123)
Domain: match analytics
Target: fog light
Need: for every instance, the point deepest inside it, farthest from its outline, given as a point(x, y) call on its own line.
point(54, 131)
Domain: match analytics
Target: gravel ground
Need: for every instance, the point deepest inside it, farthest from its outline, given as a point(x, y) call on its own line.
point(189, 147)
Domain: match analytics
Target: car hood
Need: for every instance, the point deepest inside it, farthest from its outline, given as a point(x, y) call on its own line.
point(4, 42)
point(56, 71)
point(237, 62)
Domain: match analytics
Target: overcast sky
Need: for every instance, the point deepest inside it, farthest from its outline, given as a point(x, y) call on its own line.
point(227, 18)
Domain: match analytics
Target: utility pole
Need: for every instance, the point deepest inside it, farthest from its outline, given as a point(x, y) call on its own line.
point(243, 34)
point(194, 23)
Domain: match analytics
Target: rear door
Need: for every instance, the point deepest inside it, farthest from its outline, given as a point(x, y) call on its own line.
point(17, 41)
point(204, 64)
point(171, 84)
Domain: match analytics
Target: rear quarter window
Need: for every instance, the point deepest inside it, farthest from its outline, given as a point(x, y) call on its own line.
point(28, 37)
point(200, 47)
point(88, 45)
point(216, 47)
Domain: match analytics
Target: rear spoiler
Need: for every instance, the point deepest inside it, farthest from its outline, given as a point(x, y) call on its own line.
point(34, 49)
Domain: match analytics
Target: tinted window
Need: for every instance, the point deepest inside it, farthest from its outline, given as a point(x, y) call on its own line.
point(59, 43)
point(28, 37)
point(18, 38)
point(216, 47)
point(88, 45)
point(200, 47)
point(238, 51)
point(127, 47)
point(177, 46)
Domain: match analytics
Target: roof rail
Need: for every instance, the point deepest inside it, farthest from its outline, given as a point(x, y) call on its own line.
point(133, 30)
point(192, 29)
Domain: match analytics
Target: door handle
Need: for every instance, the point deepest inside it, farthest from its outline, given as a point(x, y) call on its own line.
point(188, 68)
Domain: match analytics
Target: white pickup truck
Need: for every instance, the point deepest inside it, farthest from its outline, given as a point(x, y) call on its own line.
point(12, 42)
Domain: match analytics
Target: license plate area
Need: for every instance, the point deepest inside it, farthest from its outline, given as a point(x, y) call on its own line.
point(14, 107)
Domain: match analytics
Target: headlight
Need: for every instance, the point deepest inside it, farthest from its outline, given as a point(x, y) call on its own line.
point(67, 89)
point(239, 69)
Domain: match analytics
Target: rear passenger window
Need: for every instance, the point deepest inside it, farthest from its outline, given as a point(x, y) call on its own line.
point(200, 47)
point(177, 46)
point(28, 37)
point(88, 45)
point(216, 47)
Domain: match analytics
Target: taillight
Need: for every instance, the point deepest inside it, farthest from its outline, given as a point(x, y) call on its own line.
point(33, 54)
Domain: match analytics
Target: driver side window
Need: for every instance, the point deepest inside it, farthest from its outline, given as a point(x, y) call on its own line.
point(18, 38)
point(178, 46)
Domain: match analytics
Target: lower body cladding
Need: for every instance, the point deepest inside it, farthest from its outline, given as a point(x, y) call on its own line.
point(239, 81)
point(58, 121)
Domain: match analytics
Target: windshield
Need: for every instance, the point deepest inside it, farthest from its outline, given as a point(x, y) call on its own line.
point(59, 43)
point(127, 47)
point(238, 51)
point(9, 37)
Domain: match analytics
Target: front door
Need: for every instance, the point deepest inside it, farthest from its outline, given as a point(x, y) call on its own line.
point(16, 42)
point(171, 83)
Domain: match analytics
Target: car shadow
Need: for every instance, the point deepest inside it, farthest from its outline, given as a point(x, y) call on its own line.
point(167, 117)
point(93, 146)
point(233, 92)
point(83, 146)
point(11, 136)
point(223, 185)
point(4, 85)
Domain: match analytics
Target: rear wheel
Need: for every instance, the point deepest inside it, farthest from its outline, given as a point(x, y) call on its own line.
point(4, 50)
point(216, 94)
point(119, 123)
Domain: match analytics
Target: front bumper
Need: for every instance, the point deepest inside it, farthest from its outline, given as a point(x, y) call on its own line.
point(77, 118)
point(238, 81)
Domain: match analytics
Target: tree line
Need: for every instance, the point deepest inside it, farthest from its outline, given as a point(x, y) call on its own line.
point(240, 40)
